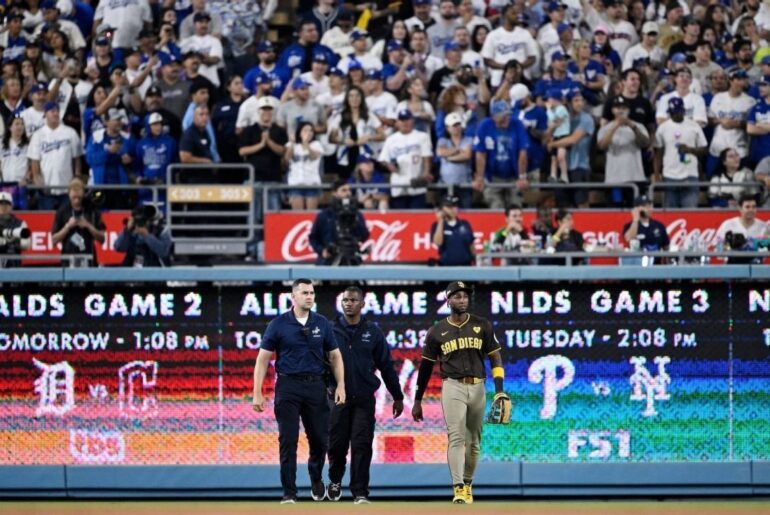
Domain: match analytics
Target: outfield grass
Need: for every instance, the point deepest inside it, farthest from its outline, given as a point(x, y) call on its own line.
point(667, 507)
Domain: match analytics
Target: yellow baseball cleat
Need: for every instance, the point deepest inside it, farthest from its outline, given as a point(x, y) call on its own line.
point(459, 497)
point(468, 490)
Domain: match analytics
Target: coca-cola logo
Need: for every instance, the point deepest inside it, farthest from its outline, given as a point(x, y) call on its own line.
point(383, 245)
point(696, 239)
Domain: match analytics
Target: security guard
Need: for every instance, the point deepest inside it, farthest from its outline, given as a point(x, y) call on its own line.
point(300, 338)
point(459, 343)
point(364, 350)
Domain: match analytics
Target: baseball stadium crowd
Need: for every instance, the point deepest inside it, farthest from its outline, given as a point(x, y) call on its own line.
point(485, 97)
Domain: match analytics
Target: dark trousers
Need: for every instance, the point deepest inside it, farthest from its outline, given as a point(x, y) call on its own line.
point(295, 399)
point(352, 426)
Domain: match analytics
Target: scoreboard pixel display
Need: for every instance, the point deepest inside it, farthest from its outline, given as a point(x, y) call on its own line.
point(616, 372)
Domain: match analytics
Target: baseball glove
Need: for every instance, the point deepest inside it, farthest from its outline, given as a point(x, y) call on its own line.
point(500, 412)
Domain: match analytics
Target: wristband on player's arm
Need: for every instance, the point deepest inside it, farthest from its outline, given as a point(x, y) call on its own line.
point(423, 377)
point(498, 374)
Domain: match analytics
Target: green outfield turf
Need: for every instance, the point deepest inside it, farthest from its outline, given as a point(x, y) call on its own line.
point(667, 507)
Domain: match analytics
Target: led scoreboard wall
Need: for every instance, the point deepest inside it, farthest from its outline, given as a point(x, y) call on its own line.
point(597, 372)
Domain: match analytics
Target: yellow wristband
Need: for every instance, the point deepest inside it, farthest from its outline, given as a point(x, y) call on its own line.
point(498, 372)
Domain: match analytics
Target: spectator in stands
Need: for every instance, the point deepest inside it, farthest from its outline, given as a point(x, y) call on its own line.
point(153, 154)
point(153, 103)
point(54, 153)
point(13, 40)
point(175, 92)
point(535, 120)
point(195, 147)
point(168, 42)
point(262, 144)
point(34, 116)
point(268, 68)
point(367, 173)
point(18, 240)
point(422, 19)
point(360, 54)
point(548, 34)
point(445, 76)
point(191, 73)
point(695, 107)
point(407, 155)
point(728, 112)
point(78, 224)
point(144, 239)
point(333, 100)
point(138, 73)
point(650, 233)
point(128, 18)
point(425, 64)
point(297, 56)
point(691, 34)
point(325, 15)
point(324, 236)
point(101, 59)
point(556, 78)
point(248, 112)
point(452, 236)
point(424, 114)
point(647, 48)
point(13, 103)
point(501, 146)
point(398, 66)
point(188, 28)
point(455, 100)
point(703, 66)
point(301, 107)
point(758, 123)
point(729, 171)
point(558, 128)
point(579, 144)
point(679, 142)
point(566, 238)
point(456, 153)
point(381, 103)
point(624, 140)
point(71, 92)
point(442, 32)
point(745, 56)
point(589, 73)
point(468, 18)
point(56, 51)
point(509, 41)
point(397, 33)
point(199, 94)
point(109, 154)
point(96, 108)
point(337, 37)
point(52, 18)
point(745, 225)
point(602, 50)
point(316, 77)
point(513, 237)
point(478, 37)
point(224, 119)
point(355, 131)
point(303, 157)
point(14, 166)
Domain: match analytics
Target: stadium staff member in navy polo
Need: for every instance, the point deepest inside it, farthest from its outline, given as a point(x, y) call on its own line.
point(300, 338)
point(364, 351)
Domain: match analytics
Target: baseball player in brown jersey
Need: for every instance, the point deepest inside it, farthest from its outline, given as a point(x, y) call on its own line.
point(460, 343)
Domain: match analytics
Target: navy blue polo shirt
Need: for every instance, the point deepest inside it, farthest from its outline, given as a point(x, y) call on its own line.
point(299, 348)
point(652, 236)
point(456, 249)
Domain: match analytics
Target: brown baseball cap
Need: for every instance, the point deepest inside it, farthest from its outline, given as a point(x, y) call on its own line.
point(456, 286)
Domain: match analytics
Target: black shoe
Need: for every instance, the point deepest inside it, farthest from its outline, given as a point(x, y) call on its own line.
point(318, 491)
point(334, 492)
point(361, 500)
point(289, 499)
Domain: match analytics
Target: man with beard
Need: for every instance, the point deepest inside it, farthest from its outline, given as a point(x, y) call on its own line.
point(442, 32)
point(299, 55)
point(459, 343)
point(267, 67)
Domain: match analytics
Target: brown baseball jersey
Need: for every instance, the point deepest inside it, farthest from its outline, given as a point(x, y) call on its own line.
point(461, 348)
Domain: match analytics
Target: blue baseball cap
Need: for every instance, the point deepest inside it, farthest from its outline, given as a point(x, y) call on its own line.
point(499, 107)
point(365, 158)
point(374, 75)
point(678, 58)
point(765, 60)
point(554, 93)
point(320, 58)
point(265, 46)
point(38, 87)
point(102, 41)
point(299, 83)
point(355, 65)
point(764, 80)
point(574, 92)
point(553, 6)
point(166, 58)
point(357, 34)
point(451, 45)
point(739, 73)
point(559, 55)
point(395, 44)
point(563, 26)
point(421, 2)
point(336, 72)
point(596, 48)
point(48, 4)
point(49, 106)
point(405, 114)
point(262, 78)
point(675, 105)
point(640, 61)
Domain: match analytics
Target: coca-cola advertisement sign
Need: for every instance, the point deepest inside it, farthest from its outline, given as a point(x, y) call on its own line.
point(404, 236)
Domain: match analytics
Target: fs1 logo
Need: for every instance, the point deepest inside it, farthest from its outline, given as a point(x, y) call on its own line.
point(600, 444)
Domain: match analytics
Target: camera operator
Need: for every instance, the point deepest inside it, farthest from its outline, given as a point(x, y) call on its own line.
point(78, 223)
point(339, 229)
point(145, 239)
point(14, 233)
